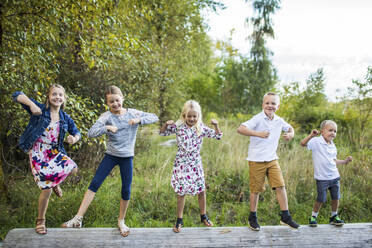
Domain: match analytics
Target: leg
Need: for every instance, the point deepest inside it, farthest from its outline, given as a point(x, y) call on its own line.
point(202, 205)
point(334, 205)
point(281, 196)
point(317, 206)
point(87, 200)
point(180, 207)
point(253, 198)
point(43, 206)
point(126, 173)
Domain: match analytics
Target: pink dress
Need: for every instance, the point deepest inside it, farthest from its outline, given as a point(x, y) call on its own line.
point(188, 174)
point(49, 166)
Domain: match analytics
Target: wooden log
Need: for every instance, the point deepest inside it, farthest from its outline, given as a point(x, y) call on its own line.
point(350, 235)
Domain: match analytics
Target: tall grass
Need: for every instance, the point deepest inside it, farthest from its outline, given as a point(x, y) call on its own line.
point(153, 202)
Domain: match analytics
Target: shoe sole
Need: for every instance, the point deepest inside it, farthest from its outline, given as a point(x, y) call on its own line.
point(337, 224)
point(285, 224)
point(254, 229)
point(313, 225)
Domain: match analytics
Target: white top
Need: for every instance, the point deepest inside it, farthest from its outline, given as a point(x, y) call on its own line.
point(324, 156)
point(264, 149)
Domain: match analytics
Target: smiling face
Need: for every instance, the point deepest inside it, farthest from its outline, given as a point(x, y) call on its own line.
point(56, 97)
point(191, 118)
point(114, 102)
point(329, 132)
point(270, 105)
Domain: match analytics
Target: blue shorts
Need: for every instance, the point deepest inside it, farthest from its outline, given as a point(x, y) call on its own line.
point(333, 186)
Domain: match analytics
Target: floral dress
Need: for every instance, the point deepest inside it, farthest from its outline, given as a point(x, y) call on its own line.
point(188, 174)
point(49, 166)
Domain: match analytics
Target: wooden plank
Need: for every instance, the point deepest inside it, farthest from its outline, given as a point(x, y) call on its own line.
point(350, 235)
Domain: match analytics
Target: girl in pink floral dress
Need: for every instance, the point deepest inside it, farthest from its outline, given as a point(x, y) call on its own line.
point(188, 174)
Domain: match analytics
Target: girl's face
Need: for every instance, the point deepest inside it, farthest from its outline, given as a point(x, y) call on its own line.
point(56, 97)
point(329, 132)
point(114, 102)
point(191, 118)
point(270, 105)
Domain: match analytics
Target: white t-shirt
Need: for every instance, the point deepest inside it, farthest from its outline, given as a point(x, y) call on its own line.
point(324, 156)
point(264, 149)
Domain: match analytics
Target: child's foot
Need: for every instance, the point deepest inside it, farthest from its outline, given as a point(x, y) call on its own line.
point(58, 191)
point(287, 221)
point(40, 227)
point(312, 221)
point(178, 226)
point(253, 224)
point(205, 220)
point(335, 220)
point(75, 222)
point(124, 229)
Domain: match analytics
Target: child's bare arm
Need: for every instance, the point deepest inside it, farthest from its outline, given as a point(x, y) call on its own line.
point(215, 125)
point(165, 125)
point(346, 161)
point(287, 136)
point(313, 133)
point(35, 110)
point(243, 130)
point(73, 139)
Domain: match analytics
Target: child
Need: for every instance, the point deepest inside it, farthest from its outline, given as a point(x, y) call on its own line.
point(326, 174)
point(265, 129)
point(43, 141)
point(188, 174)
point(120, 126)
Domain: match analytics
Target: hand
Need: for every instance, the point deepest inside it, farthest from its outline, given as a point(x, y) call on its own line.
point(314, 133)
point(170, 122)
point(348, 159)
point(287, 136)
point(35, 109)
point(263, 134)
point(71, 139)
point(134, 121)
point(214, 122)
point(112, 129)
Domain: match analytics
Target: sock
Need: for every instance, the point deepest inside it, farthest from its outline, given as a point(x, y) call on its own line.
point(315, 214)
point(333, 213)
point(285, 214)
point(253, 214)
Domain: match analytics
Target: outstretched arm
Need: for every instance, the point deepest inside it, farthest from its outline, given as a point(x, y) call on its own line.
point(243, 130)
point(23, 99)
point(215, 125)
point(313, 133)
point(165, 125)
point(346, 161)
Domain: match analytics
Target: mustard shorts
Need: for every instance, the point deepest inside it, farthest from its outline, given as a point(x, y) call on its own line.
point(259, 170)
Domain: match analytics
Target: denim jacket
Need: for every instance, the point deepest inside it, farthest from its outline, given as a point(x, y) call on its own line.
point(38, 123)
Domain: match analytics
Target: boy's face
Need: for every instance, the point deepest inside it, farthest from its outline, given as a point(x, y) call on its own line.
point(270, 105)
point(329, 132)
point(191, 118)
point(56, 97)
point(114, 102)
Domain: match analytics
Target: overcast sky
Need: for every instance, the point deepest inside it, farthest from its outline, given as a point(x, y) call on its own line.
point(309, 34)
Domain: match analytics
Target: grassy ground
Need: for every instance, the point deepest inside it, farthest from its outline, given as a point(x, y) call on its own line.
point(153, 203)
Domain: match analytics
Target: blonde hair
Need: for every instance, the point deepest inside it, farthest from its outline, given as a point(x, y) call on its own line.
point(51, 87)
point(187, 107)
point(112, 89)
point(326, 122)
point(272, 94)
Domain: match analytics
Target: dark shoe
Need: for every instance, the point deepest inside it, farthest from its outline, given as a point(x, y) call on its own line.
point(312, 221)
point(205, 220)
point(253, 224)
point(335, 220)
point(178, 226)
point(287, 221)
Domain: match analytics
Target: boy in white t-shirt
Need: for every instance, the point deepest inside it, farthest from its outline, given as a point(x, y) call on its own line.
point(326, 174)
point(265, 130)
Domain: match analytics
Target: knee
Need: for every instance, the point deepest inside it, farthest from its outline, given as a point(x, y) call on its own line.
point(125, 195)
point(94, 185)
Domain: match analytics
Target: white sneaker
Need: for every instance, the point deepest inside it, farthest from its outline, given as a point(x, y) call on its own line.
point(124, 229)
point(75, 222)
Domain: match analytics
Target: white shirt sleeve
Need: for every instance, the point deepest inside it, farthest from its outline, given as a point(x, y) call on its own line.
point(251, 124)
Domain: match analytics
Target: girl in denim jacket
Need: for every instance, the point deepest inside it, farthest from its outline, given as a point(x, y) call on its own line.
point(43, 141)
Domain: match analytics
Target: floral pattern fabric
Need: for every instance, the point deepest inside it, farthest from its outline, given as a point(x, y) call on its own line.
point(188, 174)
point(49, 166)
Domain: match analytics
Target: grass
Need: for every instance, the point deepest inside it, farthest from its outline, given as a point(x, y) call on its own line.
point(153, 202)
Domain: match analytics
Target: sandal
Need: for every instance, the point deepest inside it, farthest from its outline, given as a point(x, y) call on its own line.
point(40, 227)
point(205, 220)
point(124, 229)
point(178, 226)
point(58, 191)
point(76, 222)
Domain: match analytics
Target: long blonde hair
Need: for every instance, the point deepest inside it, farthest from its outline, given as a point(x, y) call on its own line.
point(47, 103)
point(187, 107)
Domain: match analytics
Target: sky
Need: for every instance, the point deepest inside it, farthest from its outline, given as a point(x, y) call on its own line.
point(309, 34)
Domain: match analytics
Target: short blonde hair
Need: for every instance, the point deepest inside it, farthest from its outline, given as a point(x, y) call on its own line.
point(187, 107)
point(112, 89)
point(51, 87)
point(326, 122)
point(271, 94)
